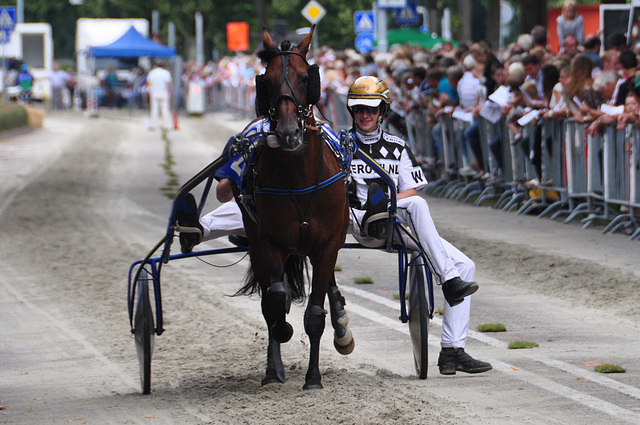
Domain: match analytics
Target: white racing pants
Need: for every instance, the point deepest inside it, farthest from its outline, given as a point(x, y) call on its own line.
point(159, 105)
point(448, 261)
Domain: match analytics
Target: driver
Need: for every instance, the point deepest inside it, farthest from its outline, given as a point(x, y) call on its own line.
point(368, 101)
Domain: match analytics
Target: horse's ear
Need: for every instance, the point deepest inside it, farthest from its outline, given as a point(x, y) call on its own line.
point(303, 46)
point(267, 41)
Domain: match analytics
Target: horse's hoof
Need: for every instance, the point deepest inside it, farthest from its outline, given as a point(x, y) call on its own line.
point(273, 376)
point(345, 349)
point(309, 386)
point(272, 380)
point(282, 333)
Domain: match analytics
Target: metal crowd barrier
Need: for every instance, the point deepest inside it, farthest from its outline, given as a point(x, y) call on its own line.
point(596, 178)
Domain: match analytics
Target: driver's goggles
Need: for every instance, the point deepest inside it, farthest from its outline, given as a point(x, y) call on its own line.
point(371, 110)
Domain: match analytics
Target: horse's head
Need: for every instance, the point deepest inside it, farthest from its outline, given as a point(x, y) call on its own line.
point(288, 89)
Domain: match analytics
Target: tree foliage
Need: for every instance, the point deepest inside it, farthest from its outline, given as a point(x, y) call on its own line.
point(336, 29)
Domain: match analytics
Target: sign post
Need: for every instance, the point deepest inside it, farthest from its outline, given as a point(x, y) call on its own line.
point(381, 13)
point(314, 12)
point(7, 25)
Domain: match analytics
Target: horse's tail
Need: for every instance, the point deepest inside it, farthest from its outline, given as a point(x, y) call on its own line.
point(294, 270)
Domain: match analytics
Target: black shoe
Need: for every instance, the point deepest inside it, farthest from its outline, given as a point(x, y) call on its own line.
point(239, 241)
point(455, 359)
point(456, 289)
point(187, 217)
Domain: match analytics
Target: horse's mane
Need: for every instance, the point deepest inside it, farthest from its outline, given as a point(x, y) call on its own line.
point(269, 52)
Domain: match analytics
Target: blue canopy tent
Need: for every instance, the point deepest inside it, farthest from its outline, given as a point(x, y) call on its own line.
point(132, 45)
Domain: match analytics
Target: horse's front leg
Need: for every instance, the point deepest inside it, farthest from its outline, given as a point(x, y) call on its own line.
point(276, 302)
point(275, 368)
point(314, 319)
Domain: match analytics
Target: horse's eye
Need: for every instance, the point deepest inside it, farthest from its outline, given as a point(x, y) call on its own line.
point(304, 79)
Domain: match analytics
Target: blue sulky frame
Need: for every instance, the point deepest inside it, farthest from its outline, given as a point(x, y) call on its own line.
point(412, 266)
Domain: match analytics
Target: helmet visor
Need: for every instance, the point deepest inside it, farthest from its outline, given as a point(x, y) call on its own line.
point(364, 102)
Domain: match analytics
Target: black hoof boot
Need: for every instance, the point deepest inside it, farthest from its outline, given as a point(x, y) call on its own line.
point(278, 299)
point(342, 338)
point(282, 332)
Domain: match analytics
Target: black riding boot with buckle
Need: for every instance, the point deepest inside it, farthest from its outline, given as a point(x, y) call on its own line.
point(455, 359)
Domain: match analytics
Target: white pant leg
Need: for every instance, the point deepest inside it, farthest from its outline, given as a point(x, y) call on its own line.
point(223, 221)
point(455, 320)
point(414, 212)
point(154, 105)
point(450, 261)
point(165, 115)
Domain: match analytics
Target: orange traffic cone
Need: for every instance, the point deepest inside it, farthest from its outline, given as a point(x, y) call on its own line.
point(175, 121)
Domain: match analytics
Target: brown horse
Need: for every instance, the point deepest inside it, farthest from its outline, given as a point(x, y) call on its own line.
point(306, 219)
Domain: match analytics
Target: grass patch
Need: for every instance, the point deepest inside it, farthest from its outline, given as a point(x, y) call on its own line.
point(514, 345)
point(440, 311)
point(492, 327)
point(609, 368)
point(360, 280)
point(337, 268)
point(12, 116)
point(397, 296)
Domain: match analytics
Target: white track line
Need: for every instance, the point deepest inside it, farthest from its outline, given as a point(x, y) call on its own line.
point(531, 378)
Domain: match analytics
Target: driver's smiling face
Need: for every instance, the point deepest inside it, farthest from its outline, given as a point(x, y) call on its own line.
point(366, 121)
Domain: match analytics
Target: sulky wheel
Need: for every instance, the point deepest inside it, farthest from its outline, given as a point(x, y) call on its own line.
point(418, 316)
point(144, 331)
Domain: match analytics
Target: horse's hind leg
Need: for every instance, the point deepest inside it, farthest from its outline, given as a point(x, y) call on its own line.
point(342, 337)
point(314, 318)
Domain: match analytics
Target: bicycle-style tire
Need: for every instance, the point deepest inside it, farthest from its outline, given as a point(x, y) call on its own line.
point(418, 316)
point(144, 332)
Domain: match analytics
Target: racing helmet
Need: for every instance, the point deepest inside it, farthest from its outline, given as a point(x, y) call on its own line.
point(369, 91)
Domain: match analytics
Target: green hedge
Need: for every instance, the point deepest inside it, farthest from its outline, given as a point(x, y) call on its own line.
point(12, 117)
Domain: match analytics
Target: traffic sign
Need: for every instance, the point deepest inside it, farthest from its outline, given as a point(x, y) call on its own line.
point(408, 15)
point(364, 42)
point(7, 22)
point(313, 11)
point(364, 21)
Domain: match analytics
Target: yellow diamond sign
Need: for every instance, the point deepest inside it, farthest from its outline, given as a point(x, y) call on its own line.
point(313, 11)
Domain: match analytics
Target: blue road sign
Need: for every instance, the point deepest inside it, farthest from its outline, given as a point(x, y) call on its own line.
point(364, 42)
point(364, 21)
point(7, 22)
point(408, 15)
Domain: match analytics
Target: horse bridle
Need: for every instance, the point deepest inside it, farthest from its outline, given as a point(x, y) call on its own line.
point(302, 112)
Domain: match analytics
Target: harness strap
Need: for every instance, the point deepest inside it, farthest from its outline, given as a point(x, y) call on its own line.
point(295, 192)
point(304, 215)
